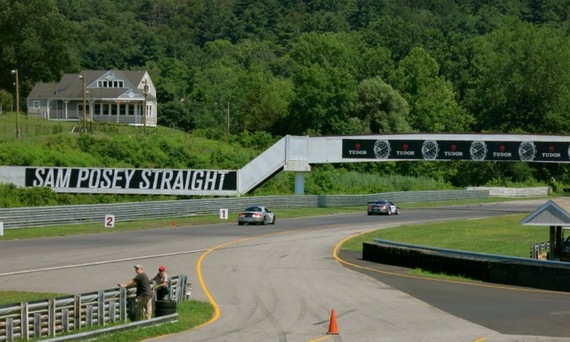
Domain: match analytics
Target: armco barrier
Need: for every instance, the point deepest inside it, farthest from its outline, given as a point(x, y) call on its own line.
point(76, 214)
point(66, 315)
point(541, 274)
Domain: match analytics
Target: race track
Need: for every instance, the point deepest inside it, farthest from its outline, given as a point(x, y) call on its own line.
point(281, 282)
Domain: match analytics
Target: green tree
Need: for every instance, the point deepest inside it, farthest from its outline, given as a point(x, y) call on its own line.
point(323, 100)
point(257, 19)
point(236, 88)
point(6, 101)
point(380, 108)
point(521, 80)
point(175, 114)
point(327, 70)
point(36, 40)
point(172, 77)
point(393, 33)
point(433, 107)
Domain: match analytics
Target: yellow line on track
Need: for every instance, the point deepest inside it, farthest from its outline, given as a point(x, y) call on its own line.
point(495, 286)
point(203, 282)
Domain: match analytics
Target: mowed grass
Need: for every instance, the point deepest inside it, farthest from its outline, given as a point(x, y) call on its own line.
point(503, 235)
point(11, 297)
point(191, 314)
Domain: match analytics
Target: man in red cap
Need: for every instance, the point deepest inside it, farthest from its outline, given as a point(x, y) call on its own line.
point(161, 283)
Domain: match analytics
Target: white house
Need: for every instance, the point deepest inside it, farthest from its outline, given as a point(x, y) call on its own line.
point(109, 96)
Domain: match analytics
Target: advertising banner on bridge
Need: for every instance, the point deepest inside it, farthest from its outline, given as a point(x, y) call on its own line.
point(476, 150)
point(124, 181)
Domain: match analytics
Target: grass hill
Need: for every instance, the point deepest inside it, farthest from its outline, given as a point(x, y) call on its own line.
point(50, 143)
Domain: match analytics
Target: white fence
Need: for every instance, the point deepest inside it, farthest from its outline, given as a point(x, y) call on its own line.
point(515, 192)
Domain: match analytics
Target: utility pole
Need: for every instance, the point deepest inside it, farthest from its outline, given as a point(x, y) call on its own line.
point(18, 132)
point(84, 103)
point(145, 91)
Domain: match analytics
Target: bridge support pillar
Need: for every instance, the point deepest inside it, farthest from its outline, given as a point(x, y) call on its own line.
point(300, 183)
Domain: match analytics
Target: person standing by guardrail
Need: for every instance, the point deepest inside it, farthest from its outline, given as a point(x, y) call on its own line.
point(144, 293)
point(161, 281)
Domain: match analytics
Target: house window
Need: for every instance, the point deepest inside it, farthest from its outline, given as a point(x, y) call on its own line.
point(97, 109)
point(80, 109)
point(36, 104)
point(110, 84)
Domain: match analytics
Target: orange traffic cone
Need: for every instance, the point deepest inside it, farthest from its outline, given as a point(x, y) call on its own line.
point(332, 325)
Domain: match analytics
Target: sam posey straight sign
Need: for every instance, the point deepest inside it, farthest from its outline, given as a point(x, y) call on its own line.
point(132, 181)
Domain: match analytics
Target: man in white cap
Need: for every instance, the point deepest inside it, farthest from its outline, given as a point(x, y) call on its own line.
point(144, 293)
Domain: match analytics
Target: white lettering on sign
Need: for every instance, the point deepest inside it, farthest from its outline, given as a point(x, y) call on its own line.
point(551, 155)
point(362, 152)
point(166, 178)
point(145, 183)
point(502, 154)
point(83, 176)
point(52, 179)
point(143, 179)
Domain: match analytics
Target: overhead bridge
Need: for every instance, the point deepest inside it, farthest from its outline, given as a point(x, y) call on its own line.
point(295, 154)
point(298, 153)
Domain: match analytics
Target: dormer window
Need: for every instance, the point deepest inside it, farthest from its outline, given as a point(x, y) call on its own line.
point(110, 84)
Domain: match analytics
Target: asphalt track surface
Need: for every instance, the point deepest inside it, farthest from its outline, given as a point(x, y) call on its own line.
point(281, 282)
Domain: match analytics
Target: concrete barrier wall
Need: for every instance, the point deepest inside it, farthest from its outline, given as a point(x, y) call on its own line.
point(514, 192)
point(540, 274)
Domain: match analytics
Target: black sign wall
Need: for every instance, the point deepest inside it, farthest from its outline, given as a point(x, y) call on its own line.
point(132, 179)
point(477, 150)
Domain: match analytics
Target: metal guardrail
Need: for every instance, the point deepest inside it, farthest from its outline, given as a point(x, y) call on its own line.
point(57, 316)
point(79, 214)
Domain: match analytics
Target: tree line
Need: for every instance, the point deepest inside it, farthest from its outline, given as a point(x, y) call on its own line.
point(319, 67)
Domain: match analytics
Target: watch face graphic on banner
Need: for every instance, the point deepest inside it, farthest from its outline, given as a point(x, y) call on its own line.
point(478, 150)
point(430, 149)
point(436, 148)
point(527, 151)
point(382, 149)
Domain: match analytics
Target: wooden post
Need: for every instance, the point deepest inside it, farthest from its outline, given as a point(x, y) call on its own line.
point(24, 321)
point(101, 307)
point(551, 251)
point(51, 317)
point(65, 321)
point(10, 329)
point(77, 312)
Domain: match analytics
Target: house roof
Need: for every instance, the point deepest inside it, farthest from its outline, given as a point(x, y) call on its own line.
point(71, 86)
point(552, 213)
point(42, 90)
